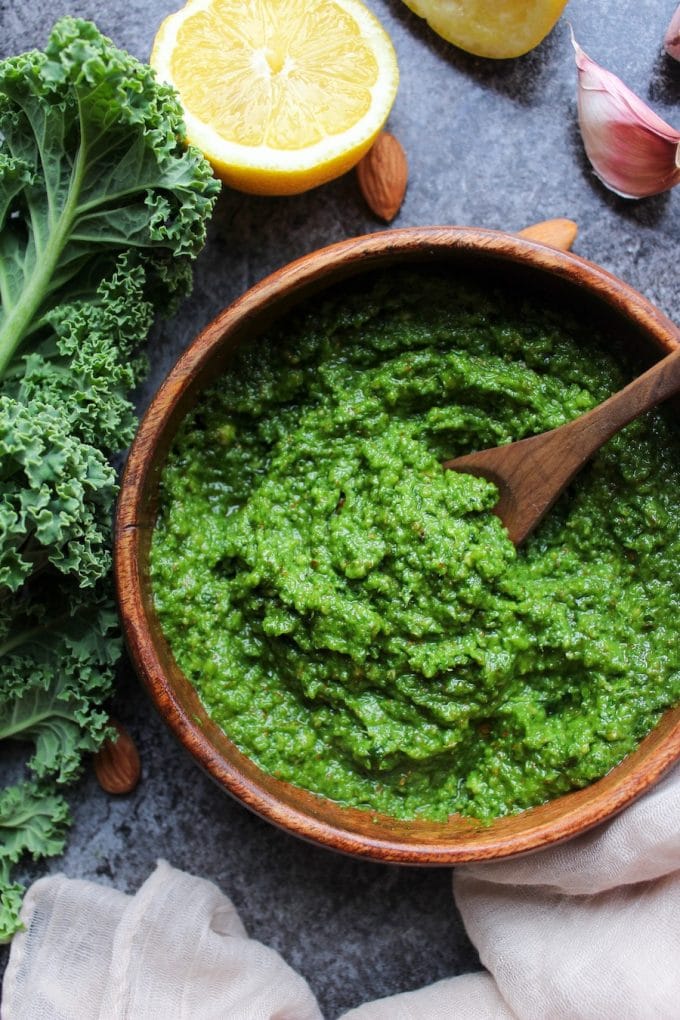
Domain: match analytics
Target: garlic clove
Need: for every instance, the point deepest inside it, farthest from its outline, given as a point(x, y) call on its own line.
point(671, 42)
point(633, 151)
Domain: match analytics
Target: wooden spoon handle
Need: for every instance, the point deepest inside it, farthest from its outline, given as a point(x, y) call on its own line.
point(542, 466)
point(657, 384)
point(531, 473)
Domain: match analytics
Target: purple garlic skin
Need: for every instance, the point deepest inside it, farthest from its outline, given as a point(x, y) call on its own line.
point(633, 151)
point(671, 42)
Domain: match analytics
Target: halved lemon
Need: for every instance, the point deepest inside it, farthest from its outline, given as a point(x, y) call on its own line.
point(490, 28)
point(280, 95)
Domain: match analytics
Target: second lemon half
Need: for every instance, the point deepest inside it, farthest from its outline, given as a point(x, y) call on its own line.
point(280, 95)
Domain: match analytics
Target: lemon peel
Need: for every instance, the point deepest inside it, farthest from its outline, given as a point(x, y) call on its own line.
point(490, 28)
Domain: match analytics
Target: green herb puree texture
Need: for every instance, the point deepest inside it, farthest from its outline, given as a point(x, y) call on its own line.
point(356, 619)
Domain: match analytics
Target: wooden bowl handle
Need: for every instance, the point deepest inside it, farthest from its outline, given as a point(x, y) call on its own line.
point(559, 233)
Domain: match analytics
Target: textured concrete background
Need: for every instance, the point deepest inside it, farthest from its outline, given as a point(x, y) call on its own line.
point(489, 144)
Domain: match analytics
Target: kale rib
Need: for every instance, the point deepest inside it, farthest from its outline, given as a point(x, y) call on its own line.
point(17, 323)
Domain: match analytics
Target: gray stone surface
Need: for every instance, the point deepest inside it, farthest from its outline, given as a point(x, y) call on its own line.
point(490, 144)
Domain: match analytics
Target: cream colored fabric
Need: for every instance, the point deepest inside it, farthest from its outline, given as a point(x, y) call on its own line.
point(587, 931)
point(175, 951)
point(469, 997)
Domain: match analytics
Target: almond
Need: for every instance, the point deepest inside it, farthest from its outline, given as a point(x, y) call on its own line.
point(383, 175)
point(116, 763)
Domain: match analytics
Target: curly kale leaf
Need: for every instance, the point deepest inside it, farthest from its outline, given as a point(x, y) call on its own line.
point(61, 418)
point(91, 165)
point(55, 496)
point(102, 209)
point(88, 363)
point(33, 821)
point(56, 662)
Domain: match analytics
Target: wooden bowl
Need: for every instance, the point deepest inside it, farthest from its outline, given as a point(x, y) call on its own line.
point(560, 276)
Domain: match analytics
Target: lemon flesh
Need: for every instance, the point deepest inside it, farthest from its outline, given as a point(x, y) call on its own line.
point(280, 95)
point(490, 28)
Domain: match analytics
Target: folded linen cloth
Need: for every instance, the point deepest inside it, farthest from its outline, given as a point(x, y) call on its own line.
point(589, 929)
point(177, 949)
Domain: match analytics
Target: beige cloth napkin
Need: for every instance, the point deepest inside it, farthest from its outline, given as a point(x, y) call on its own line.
point(177, 950)
point(587, 931)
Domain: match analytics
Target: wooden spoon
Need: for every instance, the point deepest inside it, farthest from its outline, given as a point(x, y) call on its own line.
point(533, 472)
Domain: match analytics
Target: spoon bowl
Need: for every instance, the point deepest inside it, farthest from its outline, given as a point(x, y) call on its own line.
point(532, 473)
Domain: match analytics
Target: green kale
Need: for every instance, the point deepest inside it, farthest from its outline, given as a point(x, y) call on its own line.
point(91, 165)
point(102, 209)
point(33, 821)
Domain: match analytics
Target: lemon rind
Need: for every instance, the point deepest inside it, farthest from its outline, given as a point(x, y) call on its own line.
point(485, 39)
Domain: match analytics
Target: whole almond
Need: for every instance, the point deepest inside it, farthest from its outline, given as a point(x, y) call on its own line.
point(116, 763)
point(383, 175)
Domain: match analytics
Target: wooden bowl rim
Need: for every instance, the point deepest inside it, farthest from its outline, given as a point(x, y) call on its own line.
point(365, 253)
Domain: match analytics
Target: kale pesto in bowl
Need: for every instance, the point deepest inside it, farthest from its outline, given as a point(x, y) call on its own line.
point(355, 618)
point(338, 629)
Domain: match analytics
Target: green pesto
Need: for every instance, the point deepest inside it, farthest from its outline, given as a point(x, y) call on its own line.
point(356, 619)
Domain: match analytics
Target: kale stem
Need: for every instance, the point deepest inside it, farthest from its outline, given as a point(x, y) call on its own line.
point(13, 730)
point(20, 318)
